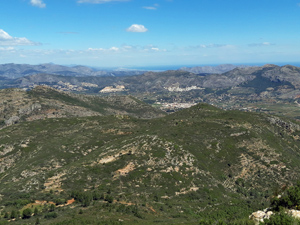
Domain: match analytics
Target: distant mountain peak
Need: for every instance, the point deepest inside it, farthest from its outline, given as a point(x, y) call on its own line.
point(270, 66)
point(223, 68)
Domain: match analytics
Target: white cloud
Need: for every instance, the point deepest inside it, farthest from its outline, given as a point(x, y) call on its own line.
point(100, 1)
point(261, 44)
point(154, 7)
point(155, 49)
point(7, 49)
point(7, 40)
point(137, 28)
point(96, 49)
point(152, 49)
point(114, 49)
point(38, 3)
point(211, 46)
point(128, 48)
point(150, 7)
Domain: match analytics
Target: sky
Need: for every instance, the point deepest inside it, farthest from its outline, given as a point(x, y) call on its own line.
point(137, 33)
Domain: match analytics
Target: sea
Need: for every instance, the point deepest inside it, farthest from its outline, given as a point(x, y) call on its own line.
point(176, 67)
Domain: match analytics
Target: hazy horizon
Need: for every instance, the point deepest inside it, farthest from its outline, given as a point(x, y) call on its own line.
point(166, 67)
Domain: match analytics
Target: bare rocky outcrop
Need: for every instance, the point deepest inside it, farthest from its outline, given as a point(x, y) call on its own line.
point(110, 89)
point(12, 120)
point(29, 109)
point(260, 216)
point(287, 126)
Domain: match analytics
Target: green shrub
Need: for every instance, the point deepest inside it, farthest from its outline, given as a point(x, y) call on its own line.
point(205, 222)
point(60, 201)
point(281, 218)
point(290, 199)
point(51, 215)
point(37, 221)
point(109, 198)
point(6, 215)
point(13, 214)
point(26, 213)
point(36, 211)
point(84, 197)
point(52, 208)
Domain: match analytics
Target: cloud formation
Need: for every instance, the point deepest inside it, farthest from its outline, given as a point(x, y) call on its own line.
point(7, 48)
point(100, 1)
point(105, 50)
point(150, 7)
point(38, 3)
point(154, 7)
point(260, 44)
point(128, 48)
point(137, 28)
point(7, 40)
point(209, 46)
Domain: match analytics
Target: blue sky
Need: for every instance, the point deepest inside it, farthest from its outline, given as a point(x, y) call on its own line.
point(132, 33)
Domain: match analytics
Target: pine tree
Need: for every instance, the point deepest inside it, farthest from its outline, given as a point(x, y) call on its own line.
point(36, 211)
point(52, 208)
point(13, 214)
point(37, 221)
point(6, 215)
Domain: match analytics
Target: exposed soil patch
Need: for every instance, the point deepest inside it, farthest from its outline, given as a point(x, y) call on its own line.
point(124, 171)
point(54, 183)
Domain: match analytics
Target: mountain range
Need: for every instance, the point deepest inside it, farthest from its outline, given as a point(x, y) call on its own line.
point(212, 69)
point(12, 70)
point(244, 88)
point(162, 80)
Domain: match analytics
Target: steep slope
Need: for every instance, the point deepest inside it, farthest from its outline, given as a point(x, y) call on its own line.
point(161, 81)
point(196, 163)
point(286, 73)
point(43, 102)
point(52, 80)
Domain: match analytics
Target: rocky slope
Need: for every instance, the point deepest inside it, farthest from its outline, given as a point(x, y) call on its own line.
point(42, 102)
point(201, 162)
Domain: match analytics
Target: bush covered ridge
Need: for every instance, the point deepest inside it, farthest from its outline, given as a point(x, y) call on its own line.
point(198, 164)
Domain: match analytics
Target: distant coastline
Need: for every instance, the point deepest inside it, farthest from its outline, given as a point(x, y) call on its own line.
point(175, 67)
